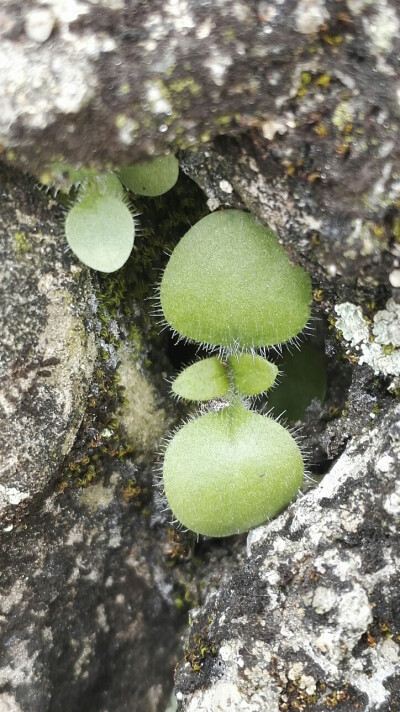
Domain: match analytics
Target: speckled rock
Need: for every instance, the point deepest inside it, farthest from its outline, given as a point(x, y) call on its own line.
point(47, 348)
point(380, 350)
point(303, 99)
point(318, 79)
point(86, 606)
point(312, 618)
point(88, 616)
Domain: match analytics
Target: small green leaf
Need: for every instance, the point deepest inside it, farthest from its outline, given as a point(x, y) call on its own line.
point(151, 178)
point(65, 174)
point(103, 184)
point(202, 381)
point(251, 373)
point(230, 470)
point(100, 230)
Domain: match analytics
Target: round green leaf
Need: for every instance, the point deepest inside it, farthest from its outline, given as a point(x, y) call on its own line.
point(230, 470)
point(202, 381)
point(229, 282)
point(151, 178)
point(252, 373)
point(100, 231)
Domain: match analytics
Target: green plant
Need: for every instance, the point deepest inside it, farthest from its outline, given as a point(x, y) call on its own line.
point(100, 228)
point(150, 178)
point(229, 284)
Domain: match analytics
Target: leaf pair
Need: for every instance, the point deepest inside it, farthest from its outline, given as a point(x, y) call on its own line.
point(100, 228)
point(248, 374)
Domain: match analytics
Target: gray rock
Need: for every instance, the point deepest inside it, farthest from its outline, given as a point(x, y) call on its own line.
point(317, 81)
point(88, 618)
point(303, 99)
point(47, 345)
point(312, 617)
point(86, 613)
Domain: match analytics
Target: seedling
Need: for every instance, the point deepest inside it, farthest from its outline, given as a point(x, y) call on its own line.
point(229, 285)
point(100, 228)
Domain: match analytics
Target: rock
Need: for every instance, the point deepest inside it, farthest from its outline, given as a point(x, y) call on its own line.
point(88, 611)
point(86, 605)
point(317, 81)
point(287, 109)
point(47, 346)
point(311, 619)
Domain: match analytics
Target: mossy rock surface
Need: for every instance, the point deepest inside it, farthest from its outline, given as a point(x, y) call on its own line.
point(46, 346)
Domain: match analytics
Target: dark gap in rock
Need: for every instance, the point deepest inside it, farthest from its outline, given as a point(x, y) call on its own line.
point(183, 353)
point(322, 467)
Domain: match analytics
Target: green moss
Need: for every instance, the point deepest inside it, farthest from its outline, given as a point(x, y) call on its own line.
point(396, 228)
point(184, 598)
point(222, 120)
point(124, 88)
point(229, 33)
point(137, 493)
point(185, 84)
point(99, 436)
point(200, 649)
point(388, 349)
point(323, 80)
point(342, 116)
point(305, 79)
point(336, 697)
point(20, 243)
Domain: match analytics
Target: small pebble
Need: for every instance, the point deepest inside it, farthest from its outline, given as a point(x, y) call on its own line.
point(394, 278)
point(39, 24)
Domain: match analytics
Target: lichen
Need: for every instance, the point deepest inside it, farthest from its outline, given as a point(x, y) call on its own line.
point(379, 346)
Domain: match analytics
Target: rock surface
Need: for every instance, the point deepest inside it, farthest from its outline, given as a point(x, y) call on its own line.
point(86, 612)
point(290, 109)
point(47, 346)
point(317, 80)
point(88, 617)
point(311, 620)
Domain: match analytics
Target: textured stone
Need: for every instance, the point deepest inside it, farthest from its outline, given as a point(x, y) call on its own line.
point(321, 77)
point(86, 613)
point(46, 345)
point(303, 99)
point(312, 616)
